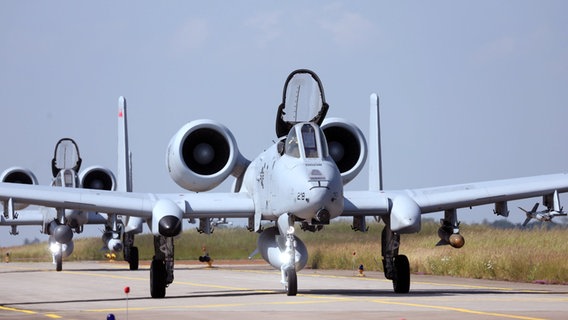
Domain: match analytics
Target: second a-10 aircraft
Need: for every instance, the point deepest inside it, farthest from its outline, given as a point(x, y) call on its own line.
point(297, 181)
point(61, 223)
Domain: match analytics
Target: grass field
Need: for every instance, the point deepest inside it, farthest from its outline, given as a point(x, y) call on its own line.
point(489, 253)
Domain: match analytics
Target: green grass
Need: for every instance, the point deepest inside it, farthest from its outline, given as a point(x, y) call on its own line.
point(489, 253)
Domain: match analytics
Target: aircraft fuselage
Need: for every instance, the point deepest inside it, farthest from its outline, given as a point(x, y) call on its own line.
point(299, 180)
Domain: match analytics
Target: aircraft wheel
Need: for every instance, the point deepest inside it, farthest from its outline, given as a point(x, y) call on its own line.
point(291, 282)
point(157, 279)
point(133, 259)
point(401, 279)
point(58, 262)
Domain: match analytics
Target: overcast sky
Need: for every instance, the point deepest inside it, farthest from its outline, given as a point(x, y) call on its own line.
point(469, 91)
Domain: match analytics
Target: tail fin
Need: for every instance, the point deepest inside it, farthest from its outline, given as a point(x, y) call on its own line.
point(375, 153)
point(124, 170)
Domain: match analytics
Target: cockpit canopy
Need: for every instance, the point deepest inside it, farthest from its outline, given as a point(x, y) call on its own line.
point(65, 156)
point(306, 140)
point(303, 100)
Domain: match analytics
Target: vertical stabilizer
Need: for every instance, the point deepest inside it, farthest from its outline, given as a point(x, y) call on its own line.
point(124, 170)
point(375, 153)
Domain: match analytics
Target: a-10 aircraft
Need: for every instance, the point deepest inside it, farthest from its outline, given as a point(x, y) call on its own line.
point(298, 181)
point(61, 223)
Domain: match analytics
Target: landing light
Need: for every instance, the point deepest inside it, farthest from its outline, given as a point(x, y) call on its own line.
point(55, 247)
point(286, 257)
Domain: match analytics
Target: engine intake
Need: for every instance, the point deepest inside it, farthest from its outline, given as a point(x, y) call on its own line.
point(18, 175)
point(347, 147)
point(98, 178)
point(202, 154)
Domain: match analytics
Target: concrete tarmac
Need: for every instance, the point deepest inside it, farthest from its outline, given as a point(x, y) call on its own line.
point(93, 290)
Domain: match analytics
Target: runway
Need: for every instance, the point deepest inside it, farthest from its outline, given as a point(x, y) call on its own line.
point(92, 290)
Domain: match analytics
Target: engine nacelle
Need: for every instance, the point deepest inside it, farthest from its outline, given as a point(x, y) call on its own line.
point(269, 247)
point(347, 146)
point(18, 175)
point(202, 154)
point(98, 178)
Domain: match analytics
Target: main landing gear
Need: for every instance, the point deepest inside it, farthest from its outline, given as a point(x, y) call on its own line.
point(396, 267)
point(130, 251)
point(162, 267)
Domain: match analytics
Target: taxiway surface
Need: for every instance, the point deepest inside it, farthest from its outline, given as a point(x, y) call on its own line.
point(92, 290)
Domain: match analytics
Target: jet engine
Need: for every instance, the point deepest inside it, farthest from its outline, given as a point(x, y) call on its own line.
point(347, 147)
point(97, 178)
point(18, 175)
point(269, 244)
point(202, 154)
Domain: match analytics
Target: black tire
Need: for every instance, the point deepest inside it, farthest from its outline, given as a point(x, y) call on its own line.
point(58, 262)
point(133, 260)
point(158, 279)
point(401, 279)
point(291, 282)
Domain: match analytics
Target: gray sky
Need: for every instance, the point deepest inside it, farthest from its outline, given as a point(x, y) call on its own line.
point(470, 91)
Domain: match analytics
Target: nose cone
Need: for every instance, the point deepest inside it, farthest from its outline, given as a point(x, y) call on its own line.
point(327, 202)
point(169, 226)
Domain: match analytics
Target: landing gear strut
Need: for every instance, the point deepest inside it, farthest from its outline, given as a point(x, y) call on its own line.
point(396, 267)
point(288, 268)
point(130, 251)
point(289, 277)
point(162, 267)
point(58, 261)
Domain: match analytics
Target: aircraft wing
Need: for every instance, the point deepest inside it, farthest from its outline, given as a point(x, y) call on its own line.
point(240, 205)
point(194, 205)
point(480, 193)
point(456, 196)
